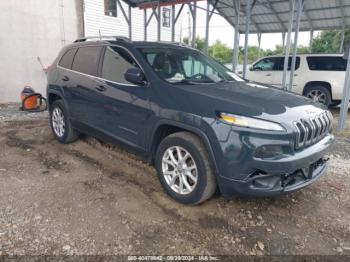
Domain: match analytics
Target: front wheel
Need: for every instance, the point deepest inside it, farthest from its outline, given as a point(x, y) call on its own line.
point(184, 168)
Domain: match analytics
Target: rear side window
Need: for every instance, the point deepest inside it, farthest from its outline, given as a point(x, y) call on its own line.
point(281, 64)
point(115, 63)
point(326, 63)
point(86, 60)
point(67, 59)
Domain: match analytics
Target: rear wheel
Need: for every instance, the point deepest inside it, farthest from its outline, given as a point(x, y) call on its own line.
point(60, 123)
point(319, 94)
point(184, 168)
point(335, 103)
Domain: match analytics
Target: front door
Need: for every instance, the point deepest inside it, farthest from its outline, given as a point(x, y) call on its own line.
point(125, 107)
point(264, 71)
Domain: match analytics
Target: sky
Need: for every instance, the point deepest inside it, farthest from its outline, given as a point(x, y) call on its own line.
point(220, 29)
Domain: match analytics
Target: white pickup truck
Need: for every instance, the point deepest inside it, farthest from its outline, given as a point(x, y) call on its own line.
point(317, 76)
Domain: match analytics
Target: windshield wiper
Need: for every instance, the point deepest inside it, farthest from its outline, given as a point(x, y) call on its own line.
point(184, 81)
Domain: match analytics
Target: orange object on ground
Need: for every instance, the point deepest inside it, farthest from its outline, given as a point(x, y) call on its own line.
point(31, 102)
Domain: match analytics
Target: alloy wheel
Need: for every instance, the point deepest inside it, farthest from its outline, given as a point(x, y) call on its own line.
point(179, 170)
point(58, 122)
point(317, 96)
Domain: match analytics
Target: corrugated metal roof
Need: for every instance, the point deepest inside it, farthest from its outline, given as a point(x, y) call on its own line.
point(269, 16)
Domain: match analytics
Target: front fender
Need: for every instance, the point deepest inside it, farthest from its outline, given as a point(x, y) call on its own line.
point(193, 124)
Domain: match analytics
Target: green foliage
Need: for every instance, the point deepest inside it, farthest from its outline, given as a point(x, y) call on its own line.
point(329, 42)
point(325, 42)
point(220, 52)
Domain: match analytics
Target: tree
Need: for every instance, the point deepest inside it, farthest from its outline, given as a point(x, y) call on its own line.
point(329, 42)
point(200, 42)
point(220, 52)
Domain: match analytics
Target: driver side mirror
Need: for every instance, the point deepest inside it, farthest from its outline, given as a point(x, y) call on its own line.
point(135, 76)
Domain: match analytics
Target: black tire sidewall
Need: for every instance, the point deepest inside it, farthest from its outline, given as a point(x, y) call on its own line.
point(196, 195)
point(322, 89)
point(60, 105)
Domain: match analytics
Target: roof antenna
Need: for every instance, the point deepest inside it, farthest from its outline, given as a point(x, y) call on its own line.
point(99, 34)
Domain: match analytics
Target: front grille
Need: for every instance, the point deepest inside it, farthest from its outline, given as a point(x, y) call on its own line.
point(311, 130)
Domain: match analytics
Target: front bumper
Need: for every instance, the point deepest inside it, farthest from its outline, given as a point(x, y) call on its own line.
point(271, 177)
point(262, 184)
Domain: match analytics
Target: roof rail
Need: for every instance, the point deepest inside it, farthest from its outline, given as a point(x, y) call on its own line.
point(172, 43)
point(117, 38)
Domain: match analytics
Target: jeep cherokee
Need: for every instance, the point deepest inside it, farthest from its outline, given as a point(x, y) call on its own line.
point(201, 125)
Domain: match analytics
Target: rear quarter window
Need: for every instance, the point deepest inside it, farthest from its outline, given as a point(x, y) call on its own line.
point(67, 59)
point(86, 60)
point(326, 63)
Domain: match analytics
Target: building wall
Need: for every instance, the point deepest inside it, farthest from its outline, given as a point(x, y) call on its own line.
point(95, 22)
point(33, 29)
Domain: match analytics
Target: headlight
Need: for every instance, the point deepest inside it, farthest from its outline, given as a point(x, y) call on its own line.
point(244, 121)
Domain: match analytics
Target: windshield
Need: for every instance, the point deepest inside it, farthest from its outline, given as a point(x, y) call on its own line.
point(182, 65)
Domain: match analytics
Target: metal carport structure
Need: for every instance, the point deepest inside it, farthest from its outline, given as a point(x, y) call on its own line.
point(262, 16)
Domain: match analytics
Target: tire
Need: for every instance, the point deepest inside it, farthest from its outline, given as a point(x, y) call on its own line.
point(205, 184)
point(319, 91)
point(59, 118)
point(335, 103)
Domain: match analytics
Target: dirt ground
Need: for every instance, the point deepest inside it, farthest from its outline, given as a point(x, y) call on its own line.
point(92, 198)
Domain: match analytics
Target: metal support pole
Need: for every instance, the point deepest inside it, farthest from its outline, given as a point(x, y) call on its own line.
point(346, 96)
point(283, 40)
point(159, 23)
point(130, 22)
point(236, 43)
point(311, 40)
point(194, 21)
point(259, 43)
point(342, 37)
point(287, 49)
point(145, 24)
point(173, 23)
point(247, 29)
point(296, 34)
point(207, 29)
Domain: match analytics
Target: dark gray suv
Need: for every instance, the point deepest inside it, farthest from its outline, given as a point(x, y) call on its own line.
point(203, 127)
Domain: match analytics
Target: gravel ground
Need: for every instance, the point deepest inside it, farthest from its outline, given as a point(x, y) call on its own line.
point(95, 199)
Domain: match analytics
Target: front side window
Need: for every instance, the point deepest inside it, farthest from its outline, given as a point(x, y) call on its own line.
point(267, 64)
point(275, 64)
point(86, 60)
point(181, 65)
point(326, 63)
point(116, 62)
point(67, 59)
point(110, 7)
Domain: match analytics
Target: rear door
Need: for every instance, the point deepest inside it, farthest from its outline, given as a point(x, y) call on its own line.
point(264, 70)
point(278, 74)
point(82, 94)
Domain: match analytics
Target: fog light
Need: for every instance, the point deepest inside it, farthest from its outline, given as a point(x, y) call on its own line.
point(268, 151)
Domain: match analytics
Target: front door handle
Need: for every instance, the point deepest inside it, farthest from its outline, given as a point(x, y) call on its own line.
point(268, 74)
point(65, 78)
point(101, 88)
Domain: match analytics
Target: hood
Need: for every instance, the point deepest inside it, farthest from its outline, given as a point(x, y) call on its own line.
point(254, 100)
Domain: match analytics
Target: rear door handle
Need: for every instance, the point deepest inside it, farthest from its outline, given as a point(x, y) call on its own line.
point(268, 75)
point(101, 88)
point(65, 78)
